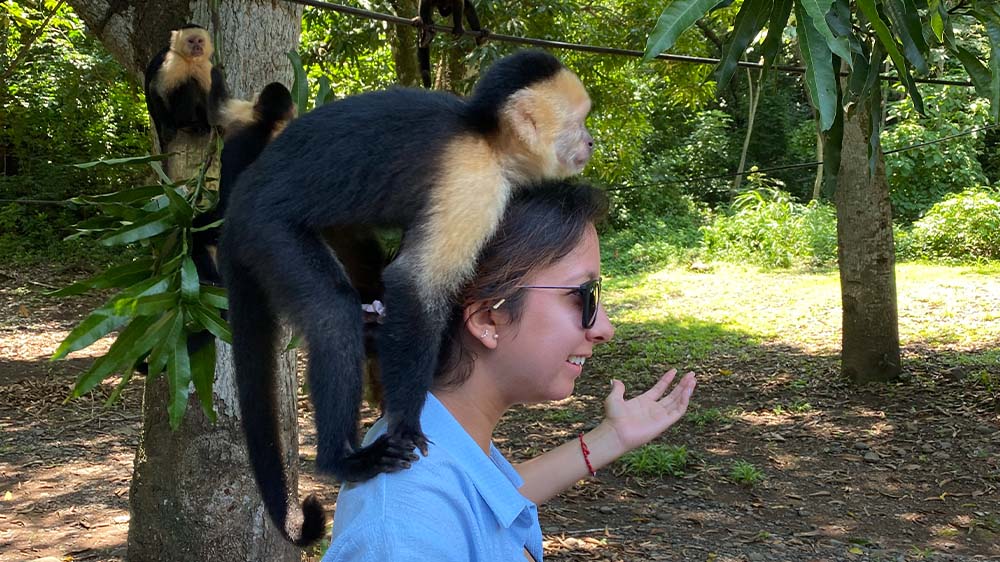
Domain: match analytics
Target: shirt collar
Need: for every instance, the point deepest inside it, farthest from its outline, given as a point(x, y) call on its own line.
point(497, 487)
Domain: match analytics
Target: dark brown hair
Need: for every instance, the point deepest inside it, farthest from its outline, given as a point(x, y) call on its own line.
point(542, 224)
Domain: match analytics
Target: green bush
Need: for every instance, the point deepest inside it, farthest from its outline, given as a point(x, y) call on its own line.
point(651, 243)
point(766, 228)
point(962, 227)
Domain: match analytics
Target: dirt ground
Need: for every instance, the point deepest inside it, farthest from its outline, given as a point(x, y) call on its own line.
point(909, 471)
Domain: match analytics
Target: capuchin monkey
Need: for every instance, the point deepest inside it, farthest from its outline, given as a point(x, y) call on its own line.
point(183, 90)
point(249, 127)
point(454, 8)
point(439, 167)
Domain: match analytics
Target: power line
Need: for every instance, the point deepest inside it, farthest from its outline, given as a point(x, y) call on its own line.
point(368, 14)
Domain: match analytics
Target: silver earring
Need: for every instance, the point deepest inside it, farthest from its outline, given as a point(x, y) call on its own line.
point(485, 333)
point(496, 336)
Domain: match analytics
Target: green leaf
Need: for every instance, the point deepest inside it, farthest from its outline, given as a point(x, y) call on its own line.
point(300, 85)
point(111, 162)
point(980, 75)
point(907, 26)
point(820, 77)
point(937, 22)
point(178, 375)
point(750, 19)
point(189, 280)
point(94, 327)
point(816, 10)
point(154, 305)
point(209, 226)
point(676, 18)
point(126, 196)
point(178, 206)
point(212, 321)
point(325, 94)
point(108, 318)
point(214, 297)
point(203, 375)
point(892, 48)
point(993, 32)
point(120, 276)
point(160, 173)
point(154, 224)
point(121, 356)
point(780, 11)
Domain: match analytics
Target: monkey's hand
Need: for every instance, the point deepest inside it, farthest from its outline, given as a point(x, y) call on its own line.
point(458, 30)
point(484, 36)
point(425, 33)
point(385, 454)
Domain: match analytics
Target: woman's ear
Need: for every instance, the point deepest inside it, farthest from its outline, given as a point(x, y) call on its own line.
point(481, 325)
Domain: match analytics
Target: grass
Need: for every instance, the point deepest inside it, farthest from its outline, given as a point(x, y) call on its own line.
point(655, 461)
point(703, 417)
point(745, 473)
point(677, 317)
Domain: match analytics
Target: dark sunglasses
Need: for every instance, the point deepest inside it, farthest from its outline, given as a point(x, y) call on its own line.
point(590, 292)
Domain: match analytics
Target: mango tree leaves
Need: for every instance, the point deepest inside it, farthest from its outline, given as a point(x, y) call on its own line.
point(676, 17)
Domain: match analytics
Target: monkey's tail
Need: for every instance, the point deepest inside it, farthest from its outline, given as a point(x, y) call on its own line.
point(424, 59)
point(255, 329)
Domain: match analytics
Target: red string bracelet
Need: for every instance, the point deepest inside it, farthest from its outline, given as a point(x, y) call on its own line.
point(586, 457)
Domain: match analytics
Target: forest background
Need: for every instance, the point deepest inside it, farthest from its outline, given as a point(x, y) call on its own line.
point(669, 148)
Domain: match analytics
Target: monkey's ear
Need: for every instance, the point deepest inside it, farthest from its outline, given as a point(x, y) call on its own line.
point(522, 113)
point(174, 35)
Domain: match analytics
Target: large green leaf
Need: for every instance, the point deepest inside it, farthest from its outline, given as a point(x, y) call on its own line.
point(993, 32)
point(780, 11)
point(820, 77)
point(126, 196)
point(123, 161)
point(178, 206)
point(676, 17)
point(189, 280)
point(131, 344)
point(120, 276)
point(214, 297)
point(892, 48)
point(906, 24)
point(300, 85)
point(817, 10)
point(203, 375)
point(109, 317)
point(154, 224)
point(210, 320)
point(750, 19)
point(154, 305)
point(178, 375)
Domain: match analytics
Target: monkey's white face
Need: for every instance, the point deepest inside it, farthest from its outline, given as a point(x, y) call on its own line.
point(191, 43)
point(195, 45)
point(574, 146)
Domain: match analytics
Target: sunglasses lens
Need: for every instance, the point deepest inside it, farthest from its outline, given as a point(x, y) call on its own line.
point(592, 298)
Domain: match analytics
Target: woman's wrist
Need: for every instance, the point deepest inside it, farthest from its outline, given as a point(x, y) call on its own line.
point(604, 445)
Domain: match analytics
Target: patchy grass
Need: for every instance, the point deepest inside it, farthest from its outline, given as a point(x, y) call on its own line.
point(658, 461)
point(745, 473)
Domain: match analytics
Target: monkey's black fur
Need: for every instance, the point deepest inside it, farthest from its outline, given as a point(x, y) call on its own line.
point(455, 8)
point(373, 159)
point(274, 107)
point(188, 107)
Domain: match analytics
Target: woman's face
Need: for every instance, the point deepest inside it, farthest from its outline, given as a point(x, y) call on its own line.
point(540, 357)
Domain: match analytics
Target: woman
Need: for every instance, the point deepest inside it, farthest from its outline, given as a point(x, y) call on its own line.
point(521, 333)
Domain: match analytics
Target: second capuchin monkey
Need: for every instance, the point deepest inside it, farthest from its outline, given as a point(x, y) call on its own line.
point(458, 10)
point(439, 167)
point(183, 90)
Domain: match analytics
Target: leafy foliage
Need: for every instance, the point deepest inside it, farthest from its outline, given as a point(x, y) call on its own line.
point(64, 100)
point(160, 300)
point(765, 227)
point(921, 176)
point(963, 227)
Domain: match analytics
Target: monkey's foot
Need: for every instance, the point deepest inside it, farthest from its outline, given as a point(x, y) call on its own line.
point(424, 32)
point(483, 37)
point(414, 436)
point(458, 30)
point(385, 454)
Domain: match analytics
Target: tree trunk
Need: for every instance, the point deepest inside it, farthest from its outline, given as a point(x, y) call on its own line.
point(193, 496)
point(403, 43)
point(870, 330)
point(751, 117)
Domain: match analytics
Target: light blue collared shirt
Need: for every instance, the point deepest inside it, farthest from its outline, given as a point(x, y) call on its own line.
point(454, 505)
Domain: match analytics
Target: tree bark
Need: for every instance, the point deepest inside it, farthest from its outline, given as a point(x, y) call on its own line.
point(403, 43)
point(870, 350)
point(193, 496)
